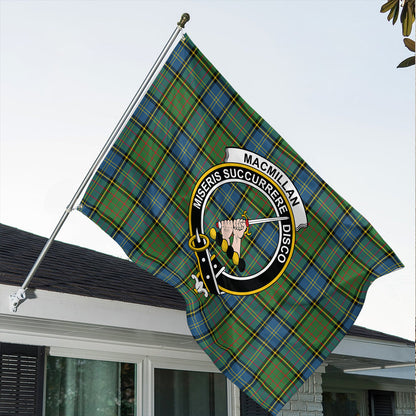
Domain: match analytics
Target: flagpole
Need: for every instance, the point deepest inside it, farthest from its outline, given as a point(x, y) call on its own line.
point(15, 299)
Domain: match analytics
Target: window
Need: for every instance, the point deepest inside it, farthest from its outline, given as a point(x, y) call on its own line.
point(73, 382)
point(79, 387)
point(189, 393)
point(342, 404)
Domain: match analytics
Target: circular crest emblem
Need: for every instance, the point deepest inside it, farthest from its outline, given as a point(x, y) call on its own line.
point(243, 217)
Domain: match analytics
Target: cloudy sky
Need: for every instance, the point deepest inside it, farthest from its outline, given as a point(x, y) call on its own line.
point(322, 73)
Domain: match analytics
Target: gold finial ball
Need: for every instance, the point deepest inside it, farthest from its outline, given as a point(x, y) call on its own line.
point(184, 20)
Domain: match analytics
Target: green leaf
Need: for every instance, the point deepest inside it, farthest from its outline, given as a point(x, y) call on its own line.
point(387, 6)
point(407, 62)
point(407, 26)
point(407, 17)
point(409, 43)
point(394, 13)
point(411, 5)
point(403, 14)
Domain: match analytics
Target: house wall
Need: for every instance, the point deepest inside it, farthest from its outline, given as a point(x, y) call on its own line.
point(152, 337)
point(405, 403)
point(308, 400)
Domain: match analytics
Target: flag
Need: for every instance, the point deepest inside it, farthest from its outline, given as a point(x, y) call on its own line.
point(273, 264)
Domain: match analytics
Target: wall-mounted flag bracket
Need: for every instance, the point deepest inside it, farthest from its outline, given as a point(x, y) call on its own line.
point(15, 299)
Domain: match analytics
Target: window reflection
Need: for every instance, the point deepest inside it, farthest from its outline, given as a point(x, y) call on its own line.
point(341, 404)
point(78, 387)
point(190, 393)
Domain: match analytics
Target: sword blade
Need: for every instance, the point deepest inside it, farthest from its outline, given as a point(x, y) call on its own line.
point(263, 220)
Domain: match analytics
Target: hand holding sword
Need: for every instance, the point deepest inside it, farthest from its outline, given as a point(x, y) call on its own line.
point(248, 222)
point(237, 228)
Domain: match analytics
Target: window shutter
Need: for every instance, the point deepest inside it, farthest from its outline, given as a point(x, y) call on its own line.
point(381, 403)
point(21, 379)
point(248, 407)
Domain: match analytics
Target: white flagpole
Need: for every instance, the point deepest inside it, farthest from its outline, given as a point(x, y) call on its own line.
point(16, 298)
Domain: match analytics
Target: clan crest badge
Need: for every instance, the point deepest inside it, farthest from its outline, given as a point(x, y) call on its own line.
point(243, 217)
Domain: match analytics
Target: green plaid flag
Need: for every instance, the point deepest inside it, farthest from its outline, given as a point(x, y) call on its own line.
point(273, 264)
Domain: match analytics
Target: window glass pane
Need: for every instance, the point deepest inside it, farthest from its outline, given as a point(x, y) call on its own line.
point(341, 404)
point(77, 387)
point(190, 393)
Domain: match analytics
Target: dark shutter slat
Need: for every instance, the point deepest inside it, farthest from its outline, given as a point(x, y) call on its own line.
point(21, 379)
point(381, 403)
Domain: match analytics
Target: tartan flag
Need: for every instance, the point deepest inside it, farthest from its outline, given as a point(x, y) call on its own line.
point(273, 264)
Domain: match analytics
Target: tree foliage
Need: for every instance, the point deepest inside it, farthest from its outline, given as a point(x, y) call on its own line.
point(406, 10)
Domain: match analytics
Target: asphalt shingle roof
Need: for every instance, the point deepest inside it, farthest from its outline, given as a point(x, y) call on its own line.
point(79, 271)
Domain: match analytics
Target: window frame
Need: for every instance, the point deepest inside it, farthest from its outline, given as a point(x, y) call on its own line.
point(97, 356)
point(151, 363)
point(145, 366)
point(361, 394)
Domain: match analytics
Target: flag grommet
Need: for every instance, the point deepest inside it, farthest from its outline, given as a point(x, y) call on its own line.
point(192, 245)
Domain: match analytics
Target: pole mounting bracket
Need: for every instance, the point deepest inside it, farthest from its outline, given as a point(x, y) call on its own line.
point(15, 299)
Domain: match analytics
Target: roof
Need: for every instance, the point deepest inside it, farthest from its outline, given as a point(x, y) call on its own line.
point(79, 271)
point(359, 331)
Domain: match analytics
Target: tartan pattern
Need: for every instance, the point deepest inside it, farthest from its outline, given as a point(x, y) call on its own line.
point(270, 342)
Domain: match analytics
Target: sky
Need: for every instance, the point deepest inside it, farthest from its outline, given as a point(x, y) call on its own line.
point(322, 73)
